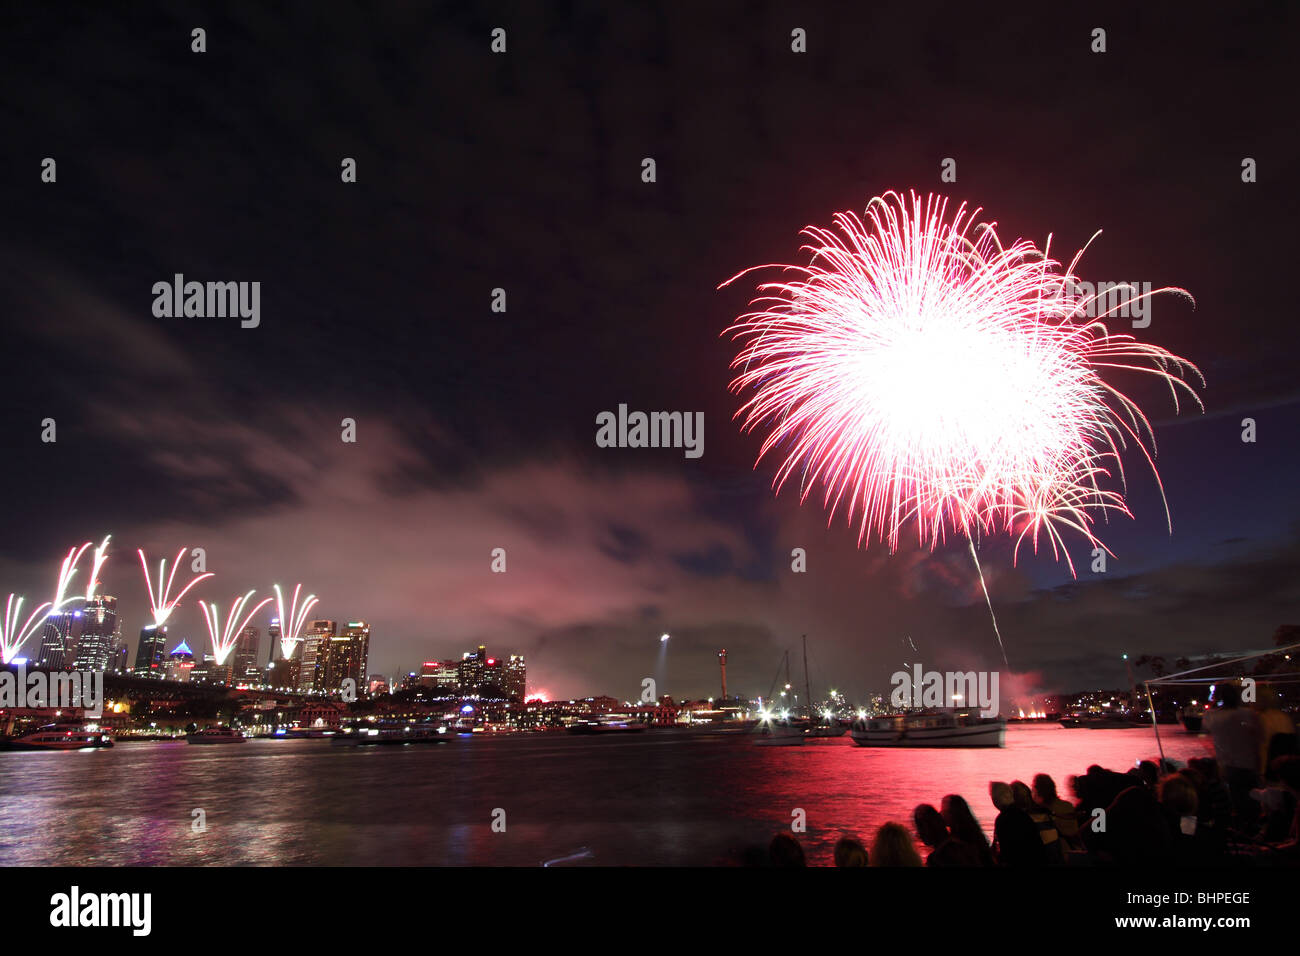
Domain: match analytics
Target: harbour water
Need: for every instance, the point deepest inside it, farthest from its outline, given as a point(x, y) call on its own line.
point(654, 798)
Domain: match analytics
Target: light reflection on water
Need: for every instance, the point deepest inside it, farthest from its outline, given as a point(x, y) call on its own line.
point(644, 799)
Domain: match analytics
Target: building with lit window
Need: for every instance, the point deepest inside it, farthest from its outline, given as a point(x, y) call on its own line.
point(313, 662)
point(151, 651)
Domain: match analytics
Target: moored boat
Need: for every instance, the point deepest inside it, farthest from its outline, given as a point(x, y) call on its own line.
point(216, 735)
point(827, 730)
point(62, 736)
point(930, 729)
point(779, 733)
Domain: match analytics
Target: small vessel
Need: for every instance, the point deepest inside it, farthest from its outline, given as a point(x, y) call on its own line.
point(831, 727)
point(608, 724)
point(1102, 721)
point(935, 728)
point(216, 735)
point(63, 736)
point(779, 733)
point(827, 730)
point(389, 733)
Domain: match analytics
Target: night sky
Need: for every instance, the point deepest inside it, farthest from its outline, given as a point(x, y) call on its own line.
point(476, 430)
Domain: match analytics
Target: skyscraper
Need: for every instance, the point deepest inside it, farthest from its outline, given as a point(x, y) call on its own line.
point(244, 662)
point(150, 652)
point(98, 638)
point(348, 655)
point(59, 637)
point(515, 682)
point(313, 664)
point(471, 670)
point(282, 674)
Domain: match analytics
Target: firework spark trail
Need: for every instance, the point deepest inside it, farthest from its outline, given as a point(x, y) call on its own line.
point(223, 640)
point(989, 601)
point(66, 572)
point(101, 555)
point(291, 623)
point(920, 372)
point(13, 636)
point(161, 601)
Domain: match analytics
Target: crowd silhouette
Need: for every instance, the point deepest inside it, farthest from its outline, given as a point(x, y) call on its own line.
point(1241, 807)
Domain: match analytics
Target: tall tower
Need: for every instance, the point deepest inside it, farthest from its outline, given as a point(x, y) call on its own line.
point(722, 664)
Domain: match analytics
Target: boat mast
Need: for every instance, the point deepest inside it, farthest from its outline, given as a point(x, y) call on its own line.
point(807, 689)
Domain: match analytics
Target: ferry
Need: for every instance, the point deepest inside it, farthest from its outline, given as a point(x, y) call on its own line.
point(217, 735)
point(66, 736)
point(609, 724)
point(930, 729)
point(390, 733)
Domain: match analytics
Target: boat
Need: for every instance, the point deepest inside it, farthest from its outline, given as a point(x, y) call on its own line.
point(832, 727)
point(216, 735)
point(608, 724)
point(61, 736)
point(389, 733)
point(781, 732)
point(827, 730)
point(1103, 721)
point(935, 728)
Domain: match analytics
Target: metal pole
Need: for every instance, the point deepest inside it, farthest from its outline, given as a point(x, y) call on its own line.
point(1155, 726)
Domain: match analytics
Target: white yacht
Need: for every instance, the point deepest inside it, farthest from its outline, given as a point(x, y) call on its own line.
point(930, 729)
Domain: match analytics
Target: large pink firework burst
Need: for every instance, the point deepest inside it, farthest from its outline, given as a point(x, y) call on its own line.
point(920, 372)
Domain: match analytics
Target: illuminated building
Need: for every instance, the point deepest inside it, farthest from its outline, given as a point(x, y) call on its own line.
point(244, 661)
point(348, 654)
point(151, 650)
point(515, 678)
point(282, 674)
point(97, 638)
point(59, 640)
point(313, 662)
point(471, 670)
point(442, 676)
point(121, 659)
point(202, 673)
point(179, 664)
